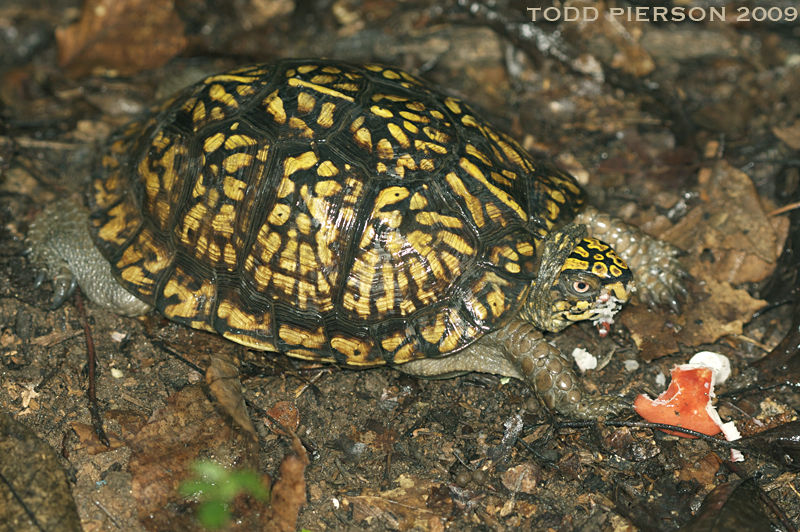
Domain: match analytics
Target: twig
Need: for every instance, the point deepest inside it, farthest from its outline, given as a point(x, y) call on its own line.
point(785, 208)
point(94, 409)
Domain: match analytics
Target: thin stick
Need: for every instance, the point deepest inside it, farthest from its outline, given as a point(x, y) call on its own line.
point(94, 409)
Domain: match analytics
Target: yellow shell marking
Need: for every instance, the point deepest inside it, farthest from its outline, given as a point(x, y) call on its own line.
point(600, 269)
point(475, 152)
point(363, 138)
point(436, 135)
point(398, 134)
point(380, 111)
point(213, 142)
point(472, 202)
point(300, 125)
point(580, 250)
point(228, 77)
point(385, 150)
point(327, 169)
point(275, 107)
point(295, 82)
point(325, 118)
point(303, 162)
point(199, 112)
point(475, 172)
point(190, 301)
point(431, 218)
point(238, 141)
point(309, 339)
point(525, 248)
point(217, 93)
point(279, 214)
point(356, 351)
point(323, 79)
point(452, 104)
point(223, 221)
point(234, 163)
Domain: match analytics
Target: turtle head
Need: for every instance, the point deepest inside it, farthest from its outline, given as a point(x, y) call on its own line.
point(579, 278)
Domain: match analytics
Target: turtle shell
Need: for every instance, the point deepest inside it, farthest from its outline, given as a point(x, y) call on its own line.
point(326, 210)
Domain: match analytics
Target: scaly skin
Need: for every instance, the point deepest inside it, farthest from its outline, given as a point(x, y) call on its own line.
point(518, 350)
point(62, 249)
point(657, 272)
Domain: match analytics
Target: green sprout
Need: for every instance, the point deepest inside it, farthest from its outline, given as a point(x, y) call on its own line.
point(216, 487)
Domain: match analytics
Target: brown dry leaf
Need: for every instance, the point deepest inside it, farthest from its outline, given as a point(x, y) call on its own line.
point(189, 428)
point(222, 378)
point(402, 508)
point(731, 220)
point(130, 422)
point(729, 240)
point(35, 494)
point(91, 442)
point(288, 493)
point(284, 413)
point(521, 478)
point(125, 35)
point(789, 135)
point(377, 436)
point(716, 311)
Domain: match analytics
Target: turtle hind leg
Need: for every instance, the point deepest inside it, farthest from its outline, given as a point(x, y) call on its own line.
point(518, 350)
point(61, 249)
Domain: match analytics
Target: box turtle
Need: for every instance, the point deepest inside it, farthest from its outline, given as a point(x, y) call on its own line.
point(351, 214)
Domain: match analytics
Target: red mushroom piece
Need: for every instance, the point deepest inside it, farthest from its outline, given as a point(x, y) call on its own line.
point(686, 403)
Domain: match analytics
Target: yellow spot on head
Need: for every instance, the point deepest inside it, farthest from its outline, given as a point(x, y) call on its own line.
point(575, 264)
point(600, 269)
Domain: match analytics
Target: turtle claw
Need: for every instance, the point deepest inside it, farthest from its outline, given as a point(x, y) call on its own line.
point(41, 275)
point(64, 286)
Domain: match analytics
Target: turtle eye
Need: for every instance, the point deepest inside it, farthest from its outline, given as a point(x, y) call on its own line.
point(580, 286)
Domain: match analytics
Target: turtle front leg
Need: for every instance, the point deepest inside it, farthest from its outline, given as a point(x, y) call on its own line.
point(61, 248)
point(658, 273)
point(518, 350)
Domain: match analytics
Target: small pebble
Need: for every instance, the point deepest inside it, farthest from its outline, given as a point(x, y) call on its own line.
point(480, 477)
point(463, 478)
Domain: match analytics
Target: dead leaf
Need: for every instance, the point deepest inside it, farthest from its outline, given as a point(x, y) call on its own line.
point(402, 508)
point(222, 378)
point(284, 413)
point(288, 493)
point(189, 428)
point(716, 310)
point(125, 35)
point(35, 494)
point(522, 478)
point(91, 442)
point(728, 239)
point(730, 219)
point(703, 471)
point(789, 135)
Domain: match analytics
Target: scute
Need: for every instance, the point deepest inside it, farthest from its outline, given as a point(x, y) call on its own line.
point(328, 211)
